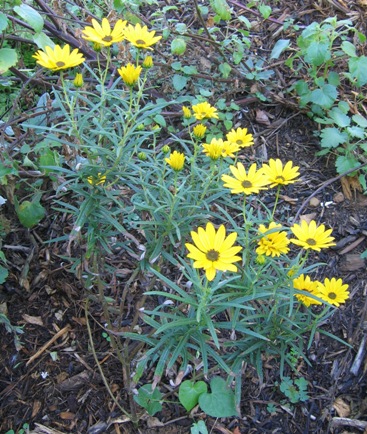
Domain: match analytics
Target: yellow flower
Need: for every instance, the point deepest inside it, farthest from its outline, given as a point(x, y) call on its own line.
point(104, 35)
point(214, 149)
point(204, 110)
point(247, 183)
point(140, 37)
point(99, 180)
point(279, 175)
point(176, 160)
point(78, 80)
point(229, 149)
point(304, 283)
point(59, 58)
point(333, 291)
point(199, 131)
point(147, 62)
point(213, 250)
point(240, 137)
point(274, 243)
point(311, 236)
point(130, 74)
point(186, 112)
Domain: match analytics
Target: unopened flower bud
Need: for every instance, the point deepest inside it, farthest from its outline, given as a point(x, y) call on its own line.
point(142, 156)
point(166, 149)
point(78, 80)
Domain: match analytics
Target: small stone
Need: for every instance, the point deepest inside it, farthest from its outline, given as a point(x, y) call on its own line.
point(338, 197)
point(314, 202)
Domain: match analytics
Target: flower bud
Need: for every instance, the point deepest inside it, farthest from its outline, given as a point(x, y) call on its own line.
point(166, 149)
point(78, 80)
point(142, 156)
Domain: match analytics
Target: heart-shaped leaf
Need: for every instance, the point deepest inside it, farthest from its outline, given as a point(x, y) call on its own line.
point(190, 392)
point(220, 402)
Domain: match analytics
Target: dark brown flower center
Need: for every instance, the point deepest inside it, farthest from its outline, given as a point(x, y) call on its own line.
point(246, 184)
point(239, 142)
point(280, 178)
point(212, 255)
point(332, 295)
point(140, 42)
point(107, 38)
point(311, 242)
point(60, 64)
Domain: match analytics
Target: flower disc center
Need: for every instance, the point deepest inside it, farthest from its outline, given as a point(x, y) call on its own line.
point(212, 255)
point(332, 295)
point(239, 142)
point(311, 242)
point(280, 178)
point(140, 42)
point(107, 38)
point(60, 64)
point(246, 184)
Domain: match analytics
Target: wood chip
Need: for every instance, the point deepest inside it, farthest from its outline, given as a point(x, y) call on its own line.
point(341, 407)
point(37, 320)
point(352, 262)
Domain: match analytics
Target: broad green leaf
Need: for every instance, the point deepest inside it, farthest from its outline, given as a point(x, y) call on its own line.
point(358, 70)
point(43, 41)
point(29, 213)
point(31, 16)
point(358, 132)
point(341, 119)
point(332, 138)
point(344, 163)
point(360, 120)
point(325, 96)
point(318, 53)
point(280, 46)
point(3, 22)
point(225, 69)
point(179, 82)
point(220, 402)
point(189, 393)
point(3, 274)
point(149, 399)
point(265, 11)
point(178, 46)
point(222, 9)
point(8, 58)
point(159, 119)
point(333, 78)
point(48, 158)
point(199, 428)
point(349, 48)
point(189, 70)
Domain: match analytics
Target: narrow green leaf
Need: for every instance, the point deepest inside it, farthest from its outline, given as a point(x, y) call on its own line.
point(280, 46)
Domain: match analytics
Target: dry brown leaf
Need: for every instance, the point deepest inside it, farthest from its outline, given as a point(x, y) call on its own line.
point(308, 217)
point(236, 430)
point(291, 200)
point(67, 415)
point(262, 118)
point(341, 407)
point(36, 407)
point(37, 320)
point(153, 422)
point(350, 186)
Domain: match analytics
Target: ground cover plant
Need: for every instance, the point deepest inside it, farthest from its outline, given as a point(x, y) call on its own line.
point(189, 268)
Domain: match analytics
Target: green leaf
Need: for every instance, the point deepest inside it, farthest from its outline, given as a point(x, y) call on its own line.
point(43, 41)
point(179, 82)
point(341, 119)
point(280, 46)
point(199, 428)
point(3, 22)
point(220, 402)
point(30, 213)
point(8, 58)
point(344, 163)
point(325, 96)
point(3, 274)
point(333, 78)
point(178, 46)
point(149, 399)
point(225, 69)
point(317, 53)
point(358, 132)
point(189, 393)
point(332, 138)
point(222, 9)
point(360, 120)
point(31, 16)
point(49, 158)
point(265, 11)
point(159, 119)
point(349, 48)
point(358, 70)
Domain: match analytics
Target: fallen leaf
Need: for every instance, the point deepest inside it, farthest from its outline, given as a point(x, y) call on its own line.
point(36, 407)
point(37, 320)
point(341, 407)
point(67, 415)
point(262, 118)
point(308, 217)
point(153, 422)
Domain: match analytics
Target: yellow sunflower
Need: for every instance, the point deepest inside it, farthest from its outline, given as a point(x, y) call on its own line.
point(279, 175)
point(304, 283)
point(130, 74)
point(240, 137)
point(274, 243)
point(214, 149)
point(213, 251)
point(176, 160)
point(103, 34)
point(333, 291)
point(204, 110)
point(140, 37)
point(58, 58)
point(311, 236)
point(243, 182)
point(229, 149)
